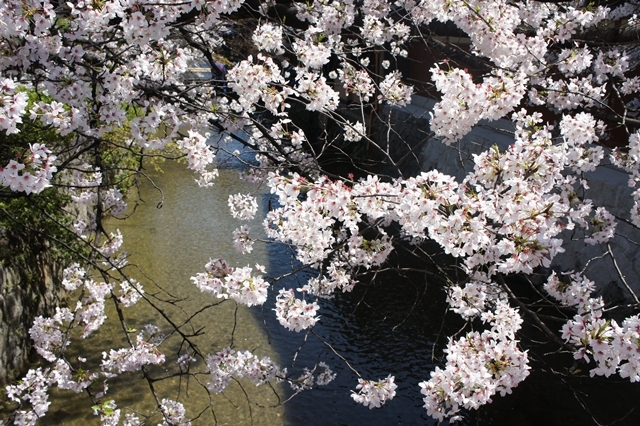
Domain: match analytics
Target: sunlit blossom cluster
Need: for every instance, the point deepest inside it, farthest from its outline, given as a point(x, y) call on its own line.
point(479, 366)
point(228, 364)
point(268, 37)
point(199, 156)
point(293, 313)
point(243, 206)
point(13, 105)
point(33, 174)
point(612, 346)
point(143, 352)
point(374, 394)
point(242, 240)
point(226, 282)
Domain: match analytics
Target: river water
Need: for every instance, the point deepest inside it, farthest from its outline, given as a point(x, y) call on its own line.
point(392, 324)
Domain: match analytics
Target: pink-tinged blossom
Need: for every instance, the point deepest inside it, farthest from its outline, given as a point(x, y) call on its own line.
point(228, 364)
point(130, 292)
point(212, 281)
point(73, 277)
point(268, 37)
point(468, 301)
point(242, 240)
point(238, 284)
point(13, 106)
point(112, 245)
point(199, 156)
point(255, 81)
point(131, 419)
point(368, 253)
point(314, 88)
point(356, 82)
point(243, 206)
point(374, 394)
point(49, 335)
point(603, 227)
point(293, 313)
point(574, 61)
point(31, 390)
point(66, 378)
point(108, 412)
point(245, 288)
point(579, 133)
point(575, 293)
point(313, 55)
point(612, 62)
point(354, 132)
point(394, 91)
point(33, 175)
point(614, 348)
point(173, 413)
point(479, 366)
point(464, 102)
point(131, 359)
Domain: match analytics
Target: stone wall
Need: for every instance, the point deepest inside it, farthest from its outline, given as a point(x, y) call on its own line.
point(29, 287)
point(608, 188)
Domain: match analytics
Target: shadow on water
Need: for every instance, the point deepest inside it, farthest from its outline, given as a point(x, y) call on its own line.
point(398, 325)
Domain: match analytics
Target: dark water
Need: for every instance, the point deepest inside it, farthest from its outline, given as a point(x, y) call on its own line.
point(397, 323)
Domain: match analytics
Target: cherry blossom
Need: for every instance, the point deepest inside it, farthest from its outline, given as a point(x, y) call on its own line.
point(227, 364)
point(243, 206)
point(128, 90)
point(374, 394)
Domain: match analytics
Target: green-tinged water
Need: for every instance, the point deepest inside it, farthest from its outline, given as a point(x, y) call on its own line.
point(167, 246)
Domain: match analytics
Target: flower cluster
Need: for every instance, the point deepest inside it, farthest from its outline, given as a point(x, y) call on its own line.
point(464, 102)
point(314, 88)
point(48, 336)
point(13, 104)
point(293, 313)
point(130, 292)
point(199, 156)
point(32, 389)
point(33, 174)
point(268, 37)
point(131, 359)
point(479, 365)
point(374, 394)
point(394, 91)
point(242, 241)
point(108, 412)
point(228, 364)
point(307, 379)
point(173, 413)
point(354, 132)
point(255, 82)
point(614, 347)
point(243, 206)
point(356, 81)
point(223, 281)
point(314, 55)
